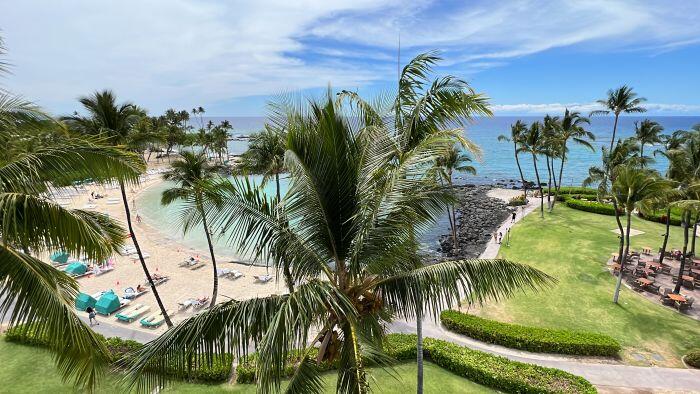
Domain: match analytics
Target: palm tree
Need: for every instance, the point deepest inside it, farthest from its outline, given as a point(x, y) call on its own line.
point(689, 206)
point(619, 101)
point(623, 154)
point(532, 143)
point(346, 221)
point(551, 146)
point(647, 132)
point(517, 132)
point(34, 293)
point(454, 160)
point(114, 122)
point(265, 155)
point(192, 173)
point(633, 188)
point(571, 128)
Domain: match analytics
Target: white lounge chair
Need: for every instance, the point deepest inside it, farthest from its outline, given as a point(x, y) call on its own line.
point(154, 320)
point(263, 278)
point(130, 293)
point(113, 201)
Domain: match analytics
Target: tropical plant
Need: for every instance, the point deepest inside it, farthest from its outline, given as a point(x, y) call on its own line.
point(349, 220)
point(517, 133)
point(532, 144)
point(623, 154)
point(33, 293)
point(571, 128)
point(551, 147)
point(455, 160)
point(632, 188)
point(192, 173)
point(619, 101)
point(647, 132)
point(115, 124)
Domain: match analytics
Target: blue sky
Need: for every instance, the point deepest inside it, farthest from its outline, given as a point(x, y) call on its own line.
point(231, 57)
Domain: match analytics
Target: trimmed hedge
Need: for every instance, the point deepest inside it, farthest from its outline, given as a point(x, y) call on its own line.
point(533, 339)
point(693, 358)
point(586, 191)
point(479, 367)
point(490, 370)
point(218, 372)
point(589, 206)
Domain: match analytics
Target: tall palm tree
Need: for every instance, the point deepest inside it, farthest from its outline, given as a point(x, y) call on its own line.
point(455, 160)
point(347, 219)
point(114, 122)
point(571, 128)
point(690, 207)
point(34, 293)
point(191, 174)
point(625, 153)
point(551, 146)
point(619, 101)
point(517, 133)
point(632, 188)
point(532, 144)
point(265, 155)
point(647, 132)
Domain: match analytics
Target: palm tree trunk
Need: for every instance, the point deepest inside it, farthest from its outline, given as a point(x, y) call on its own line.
point(612, 140)
point(419, 350)
point(215, 290)
point(622, 233)
point(520, 170)
point(561, 174)
point(624, 257)
point(550, 165)
point(143, 262)
point(695, 235)
point(286, 270)
point(662, 253)
point(686, 225)
point(641, 152)
point(452, 212)
point(539, 186)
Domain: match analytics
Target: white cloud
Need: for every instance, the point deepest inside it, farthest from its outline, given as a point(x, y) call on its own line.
point(163, 53)
point(585, 108)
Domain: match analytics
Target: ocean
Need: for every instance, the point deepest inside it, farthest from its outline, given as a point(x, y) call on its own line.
point(497, 163)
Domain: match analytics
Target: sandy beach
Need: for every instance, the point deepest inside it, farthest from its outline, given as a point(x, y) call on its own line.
point(166, 252)
point(165, 255)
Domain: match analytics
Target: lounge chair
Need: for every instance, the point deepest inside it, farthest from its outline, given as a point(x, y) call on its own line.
point(127, 250)
point(130, 293)
point(132, 313)
point(234, 275)
point(113, 201)
point(97, 271)
point(154, 320)
point(196, 266)
point(263, 278)
point(135, 256)
point(188, 262)
point(157, 280)
point(222, 272)
point(200, 303)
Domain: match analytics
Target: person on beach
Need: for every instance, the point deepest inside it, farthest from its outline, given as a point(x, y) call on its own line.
point(512, 219)
point(138, 218)
point(92, 316)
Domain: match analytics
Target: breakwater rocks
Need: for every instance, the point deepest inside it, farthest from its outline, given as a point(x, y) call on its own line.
point(478, 216)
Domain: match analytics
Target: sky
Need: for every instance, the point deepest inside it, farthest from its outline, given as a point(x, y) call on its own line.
point(232, 57)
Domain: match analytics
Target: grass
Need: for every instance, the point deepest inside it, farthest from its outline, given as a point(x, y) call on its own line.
point(27, 369)
point(573, 246)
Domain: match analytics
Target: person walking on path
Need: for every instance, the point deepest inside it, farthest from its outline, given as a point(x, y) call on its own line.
point(92, 316)
point(500, 237)
point(512, 218)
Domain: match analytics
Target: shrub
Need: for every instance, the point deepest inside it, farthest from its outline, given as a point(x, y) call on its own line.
point(589, 206)
point(530, 338)
point(502, 373)
point(693, 358)
point(586, 191)
point(517, 200)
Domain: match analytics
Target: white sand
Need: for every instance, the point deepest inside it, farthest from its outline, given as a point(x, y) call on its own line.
point(165, 255)
point(504, 194)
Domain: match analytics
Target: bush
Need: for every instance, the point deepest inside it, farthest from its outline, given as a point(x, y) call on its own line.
point(586, 191)
point(517, 200)
point(533, 339)
point(590, 206)
point(218, 372)
point(693, 358)
point(502, 373)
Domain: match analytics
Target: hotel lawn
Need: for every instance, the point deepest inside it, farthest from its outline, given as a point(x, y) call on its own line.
point(573, 246)
point(28, 369)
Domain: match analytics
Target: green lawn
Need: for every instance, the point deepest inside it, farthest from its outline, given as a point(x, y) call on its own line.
point(26, 369)
point(573, 246)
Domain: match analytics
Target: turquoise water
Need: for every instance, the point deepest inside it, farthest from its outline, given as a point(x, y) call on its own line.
point(497, 163)
point(166, 219)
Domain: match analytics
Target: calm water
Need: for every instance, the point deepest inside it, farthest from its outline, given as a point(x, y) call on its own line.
point(497, 163)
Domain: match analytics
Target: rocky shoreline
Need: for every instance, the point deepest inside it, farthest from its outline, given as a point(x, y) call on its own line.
point(478, 216)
